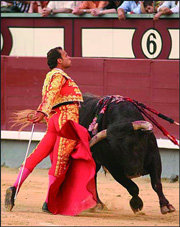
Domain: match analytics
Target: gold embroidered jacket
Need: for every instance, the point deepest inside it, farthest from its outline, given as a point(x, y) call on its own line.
point(58, 88)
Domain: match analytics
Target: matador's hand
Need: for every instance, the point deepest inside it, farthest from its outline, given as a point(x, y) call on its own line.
point(37, 117)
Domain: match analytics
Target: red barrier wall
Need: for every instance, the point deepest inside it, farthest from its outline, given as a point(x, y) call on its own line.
point(153, 82)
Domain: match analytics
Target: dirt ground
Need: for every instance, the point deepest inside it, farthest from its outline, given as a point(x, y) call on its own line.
point(27, 210)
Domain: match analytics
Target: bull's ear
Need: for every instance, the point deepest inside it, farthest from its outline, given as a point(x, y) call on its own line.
point(119, 130)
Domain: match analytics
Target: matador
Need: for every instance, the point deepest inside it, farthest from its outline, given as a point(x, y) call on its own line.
point(61, 98)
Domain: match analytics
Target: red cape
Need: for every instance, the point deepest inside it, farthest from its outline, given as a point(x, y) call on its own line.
point(74, 191)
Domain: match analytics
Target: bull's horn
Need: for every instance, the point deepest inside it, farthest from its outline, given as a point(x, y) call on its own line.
point(98, 137)
point(143, 125)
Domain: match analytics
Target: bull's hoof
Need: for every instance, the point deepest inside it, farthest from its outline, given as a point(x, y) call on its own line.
point(136, 204)
point(99, 207)
point(164, 210)
point(167, 209)
point(171, 208)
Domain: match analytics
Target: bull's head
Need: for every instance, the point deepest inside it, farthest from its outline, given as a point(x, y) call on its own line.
point(135, 125)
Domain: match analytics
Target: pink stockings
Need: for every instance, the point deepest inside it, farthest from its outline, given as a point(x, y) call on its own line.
point(51, 181)
point(25, 174)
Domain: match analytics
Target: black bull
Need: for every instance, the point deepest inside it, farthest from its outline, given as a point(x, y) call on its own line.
point(125, 155)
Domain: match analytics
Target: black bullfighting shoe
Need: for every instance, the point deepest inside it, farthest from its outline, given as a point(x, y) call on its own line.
point(9, 198)
point(45, 208)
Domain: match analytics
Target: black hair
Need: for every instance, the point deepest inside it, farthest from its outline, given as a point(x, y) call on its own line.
point(52, 57)
point(148, 3)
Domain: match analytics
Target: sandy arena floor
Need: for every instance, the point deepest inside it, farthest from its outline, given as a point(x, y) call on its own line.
point(27, 210)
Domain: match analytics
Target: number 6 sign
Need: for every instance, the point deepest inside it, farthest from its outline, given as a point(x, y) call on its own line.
point(151, 43)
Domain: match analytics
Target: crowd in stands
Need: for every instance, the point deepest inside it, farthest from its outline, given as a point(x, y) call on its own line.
point(95, 8)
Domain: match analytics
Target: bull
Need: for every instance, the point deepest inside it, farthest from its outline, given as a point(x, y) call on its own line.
point(125, 153)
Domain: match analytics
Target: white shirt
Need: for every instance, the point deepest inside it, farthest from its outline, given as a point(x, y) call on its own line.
point(61, 4)
point(3, 3)
point(131, 6)
point(175, 9)
point(171, 5)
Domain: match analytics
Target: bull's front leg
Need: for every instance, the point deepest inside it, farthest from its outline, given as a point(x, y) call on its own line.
point(136, 203)
point(100, 205)
point(155, 174)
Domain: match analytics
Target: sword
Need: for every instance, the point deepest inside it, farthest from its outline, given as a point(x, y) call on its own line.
point(24, 161)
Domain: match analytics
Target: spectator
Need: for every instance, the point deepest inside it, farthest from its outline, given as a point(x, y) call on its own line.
point(111, 7)
point(15, 6)
point(150, 6)
point(6, 3)
point(21, 6)
point(128, 7)
point(37, 6)
point(167, 8)
point(87, 6)
point(59, 7)
point(157, 4)
point(6, 6)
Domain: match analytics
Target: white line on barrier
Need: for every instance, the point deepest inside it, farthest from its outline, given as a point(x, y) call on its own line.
point(37, 136)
